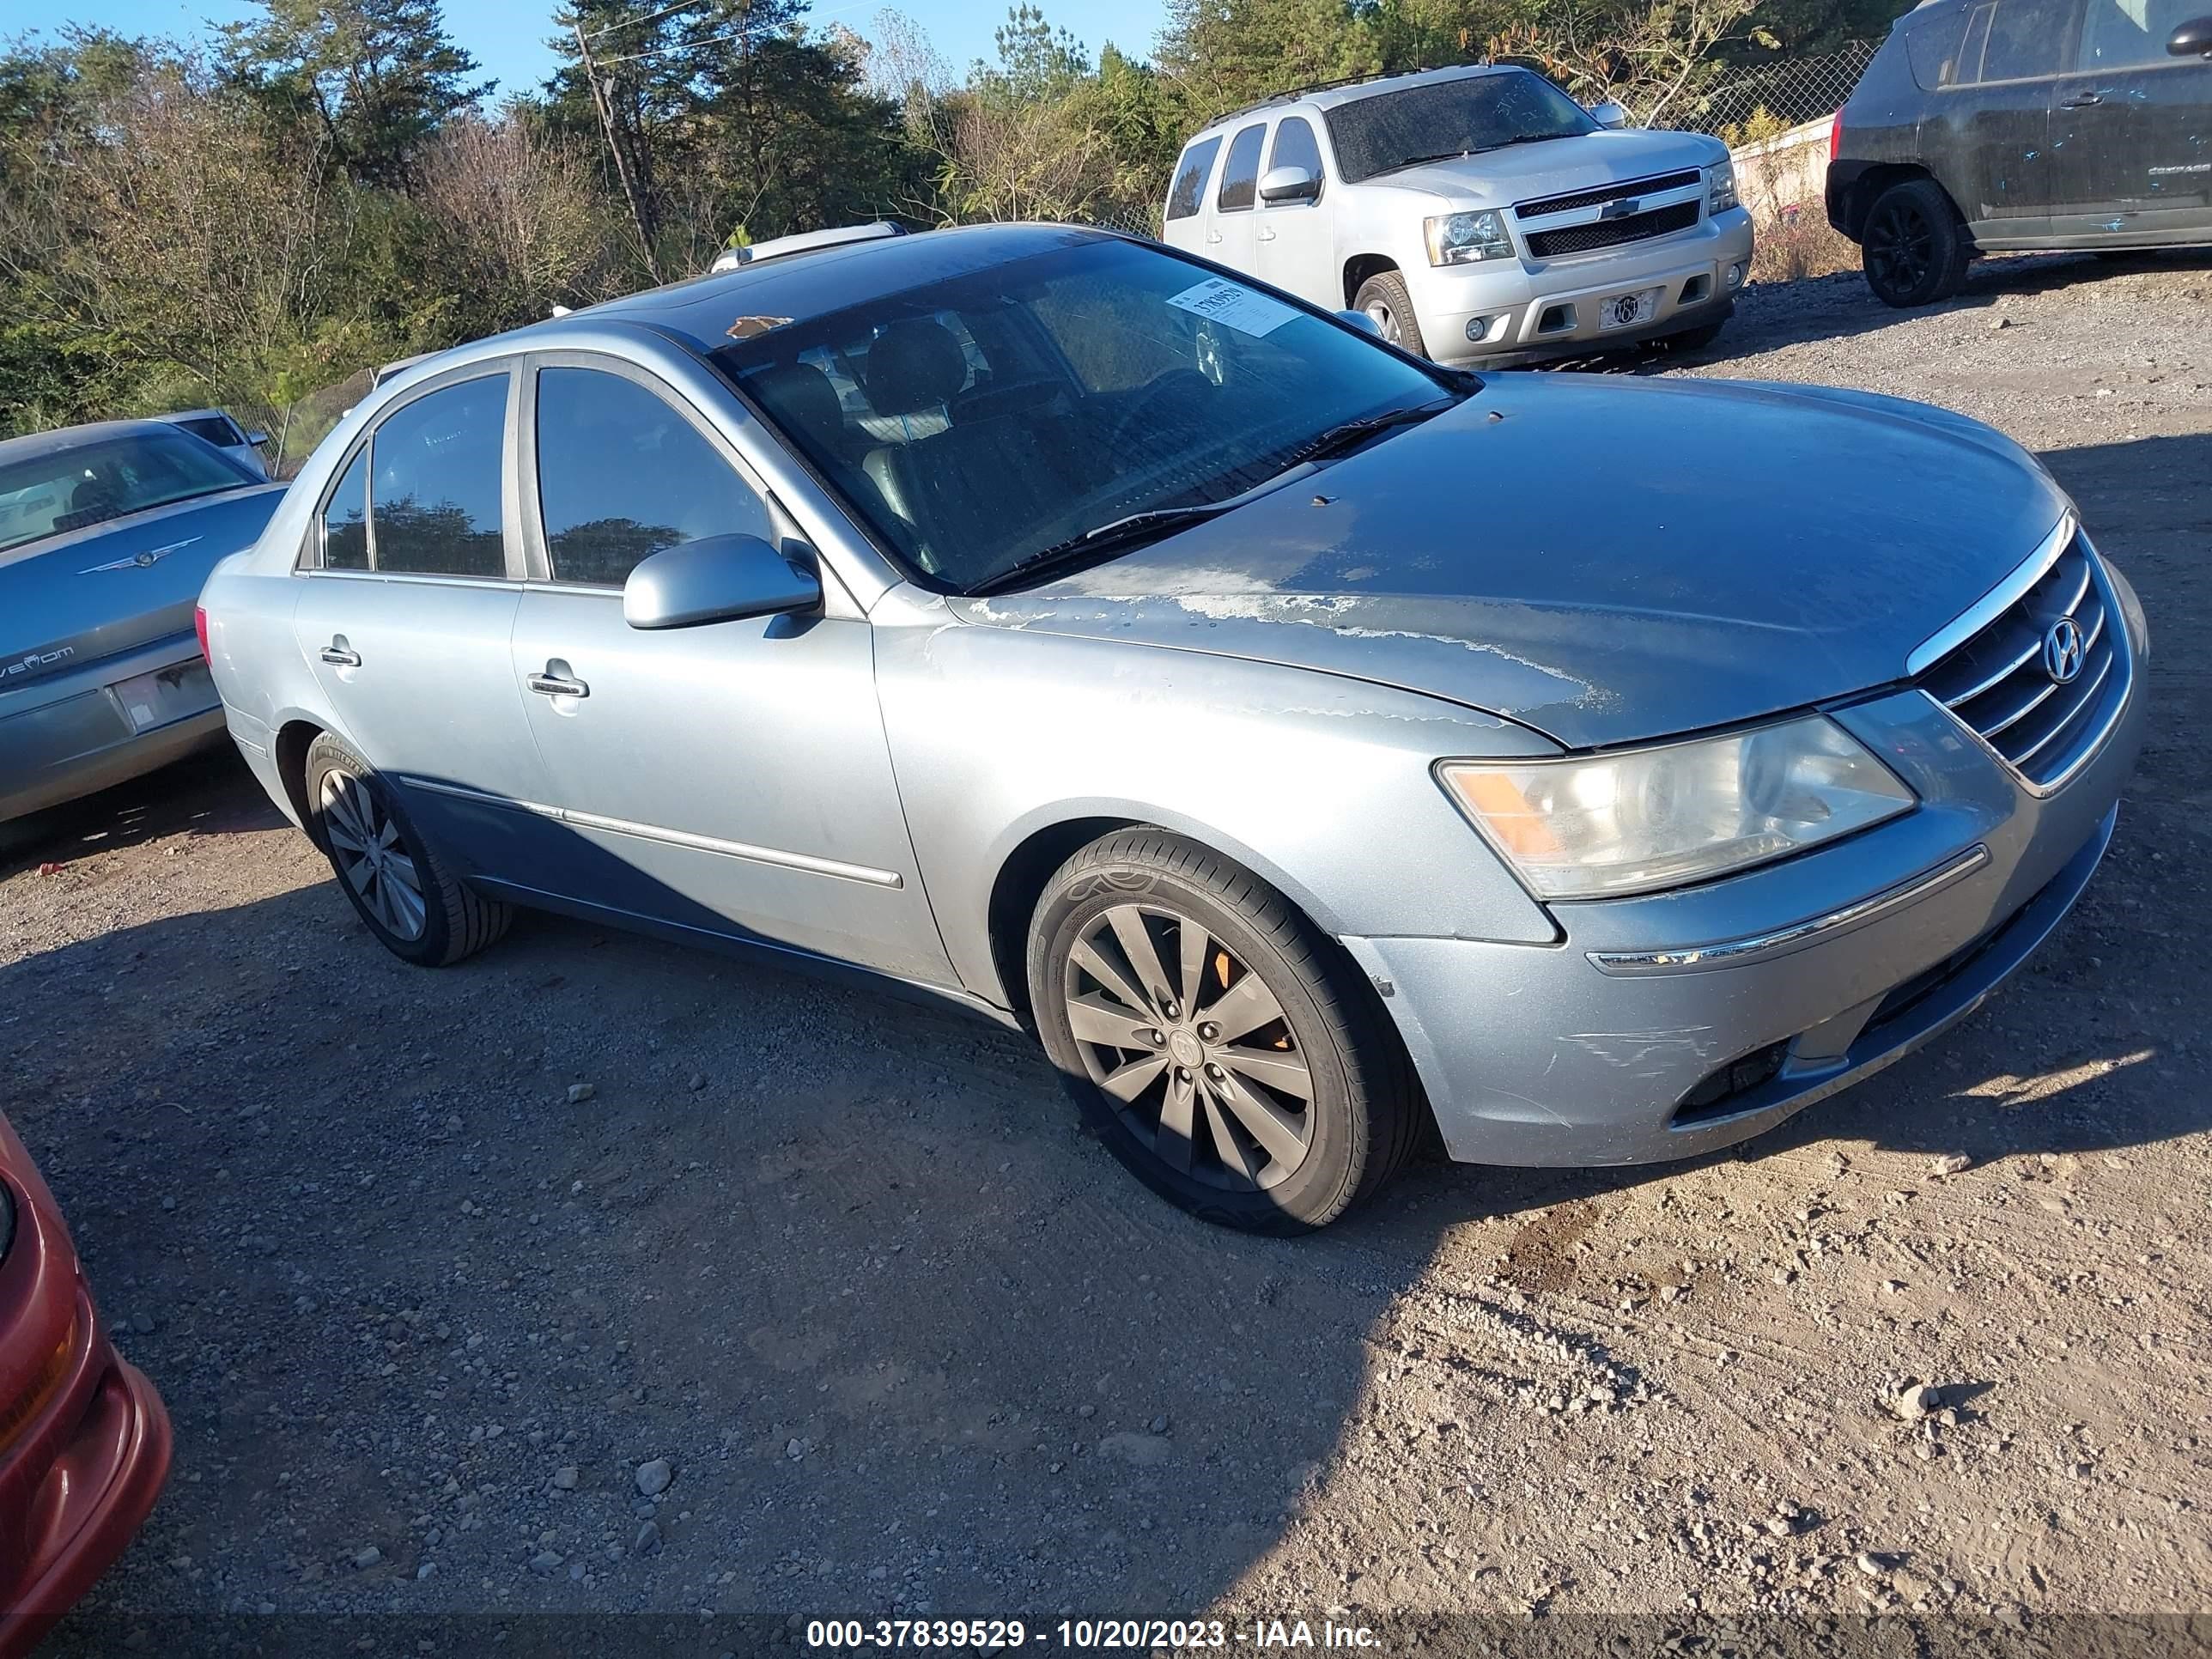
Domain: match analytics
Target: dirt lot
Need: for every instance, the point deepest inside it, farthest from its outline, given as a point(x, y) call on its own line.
point(905, 1340)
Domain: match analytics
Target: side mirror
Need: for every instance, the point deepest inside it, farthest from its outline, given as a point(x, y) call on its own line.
point(2192, 39)
point(1360, 320)
point(1288, 184)
point(256, 439)
point(1609, 115)
point(716, 578)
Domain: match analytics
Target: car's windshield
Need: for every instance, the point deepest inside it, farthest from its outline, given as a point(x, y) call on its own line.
point(977, 422)
point(1465, 117)
point(109, 478)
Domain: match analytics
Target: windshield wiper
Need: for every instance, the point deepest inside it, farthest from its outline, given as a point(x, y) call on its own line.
point(1344, 435)
point(1106, 538)
point(1529, 139)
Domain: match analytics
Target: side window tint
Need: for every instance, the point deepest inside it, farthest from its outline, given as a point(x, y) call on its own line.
point(1295, 146)
point(622, 475)
point(434, 497)
point(1240, 174)
point(345, 519)
point(2024, 38)
point(2131, 34)
point(1931, 47)
point(1190, 177)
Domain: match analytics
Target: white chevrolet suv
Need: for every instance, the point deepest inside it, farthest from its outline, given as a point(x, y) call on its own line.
point(1477, 215)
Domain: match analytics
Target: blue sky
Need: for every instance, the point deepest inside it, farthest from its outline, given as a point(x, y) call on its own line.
point(509, 38)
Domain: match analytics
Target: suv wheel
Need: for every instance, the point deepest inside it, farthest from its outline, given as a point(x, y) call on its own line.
point(1214, 1039)
point(1383, 297)
point(1914, 247)
point(414, 904)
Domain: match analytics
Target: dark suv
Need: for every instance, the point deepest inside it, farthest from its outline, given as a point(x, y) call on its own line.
point(1983, 124)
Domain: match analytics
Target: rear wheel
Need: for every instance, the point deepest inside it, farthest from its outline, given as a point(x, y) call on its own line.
point(1385, 299)
point(1215, 1039)
point(411, 900)
point(1914, 247)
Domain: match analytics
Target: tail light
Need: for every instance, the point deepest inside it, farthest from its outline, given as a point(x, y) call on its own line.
point(1835, 137)
point(199, 627)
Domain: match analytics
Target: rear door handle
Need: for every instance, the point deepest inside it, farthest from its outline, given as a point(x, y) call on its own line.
point(1213, 236)
point(2082, 101)
point(1264, 234)
point(558, 686)
point(338, 655)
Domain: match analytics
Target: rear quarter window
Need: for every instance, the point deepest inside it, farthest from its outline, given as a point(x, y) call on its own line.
point(1931, 47)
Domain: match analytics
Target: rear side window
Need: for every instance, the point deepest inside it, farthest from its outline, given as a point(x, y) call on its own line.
point(345, 519)
point(621, 475)
point(211, 428)
point(1240, 174)
point(434, 489)
point(2023, 39)
point(1190, 177)
point(1295, 146)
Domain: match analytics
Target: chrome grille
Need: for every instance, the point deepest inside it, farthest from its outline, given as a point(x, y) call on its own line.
point(1591, 198)
point(1998, 681)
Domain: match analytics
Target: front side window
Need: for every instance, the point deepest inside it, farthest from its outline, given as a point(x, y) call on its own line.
point(1189, 186)
point(1295, 146)
point(622, 476)
point(2118, 34)
point(345, 519)
point(90, 483)
point(434, 487)
point(1123, 380)
point(1446, 119)
point(1240, 174)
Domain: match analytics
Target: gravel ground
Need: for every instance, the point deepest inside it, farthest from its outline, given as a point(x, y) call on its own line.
point(598, 1275)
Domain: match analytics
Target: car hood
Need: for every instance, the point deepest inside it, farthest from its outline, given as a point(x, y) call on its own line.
point(71, 599)
point(1605, 560)
point(1554, 168)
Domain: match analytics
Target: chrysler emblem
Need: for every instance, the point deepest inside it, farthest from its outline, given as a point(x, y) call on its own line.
point(146, 561)
point(2063, 647)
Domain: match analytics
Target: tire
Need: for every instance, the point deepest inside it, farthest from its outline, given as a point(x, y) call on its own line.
point(1914, 247)
point(430, 920)
point(1383, 297)
point(1338, 1111)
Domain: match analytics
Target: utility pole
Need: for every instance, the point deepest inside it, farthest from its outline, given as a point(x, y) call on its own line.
point(602, 100)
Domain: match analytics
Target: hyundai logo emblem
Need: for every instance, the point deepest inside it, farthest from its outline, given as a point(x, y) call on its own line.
point(2063, 647)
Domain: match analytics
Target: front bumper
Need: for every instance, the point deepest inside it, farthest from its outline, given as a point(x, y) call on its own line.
point(1540, 1055)
point(66, 735)
point(84, 1442)
point(1531, 309)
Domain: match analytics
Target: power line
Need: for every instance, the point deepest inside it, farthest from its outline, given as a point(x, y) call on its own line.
point(713, 39)
point(653, 17)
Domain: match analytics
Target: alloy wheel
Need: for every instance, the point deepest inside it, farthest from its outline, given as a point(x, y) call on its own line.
point(1387, 321)
point(1900, 246)
point(1191, 1046)
point(370, 853)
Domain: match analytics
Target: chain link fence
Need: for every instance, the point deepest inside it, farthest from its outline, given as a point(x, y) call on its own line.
point(1762, 102)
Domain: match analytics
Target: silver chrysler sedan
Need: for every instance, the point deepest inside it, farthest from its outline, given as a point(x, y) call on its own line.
point(1310, 744)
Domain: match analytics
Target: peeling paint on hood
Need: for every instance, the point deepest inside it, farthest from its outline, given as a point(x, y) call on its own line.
point(1612, 560)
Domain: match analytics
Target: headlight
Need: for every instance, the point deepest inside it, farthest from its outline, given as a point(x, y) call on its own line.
point(1662, 818)
point(1720, 187)
point(1460, 239)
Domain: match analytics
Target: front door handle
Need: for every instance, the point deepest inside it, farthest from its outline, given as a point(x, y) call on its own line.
point(338, 655)
point(557, 685)
point(2082, 101)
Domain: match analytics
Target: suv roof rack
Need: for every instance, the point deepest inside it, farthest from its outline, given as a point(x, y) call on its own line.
point(1273, 99)
point(806, 241)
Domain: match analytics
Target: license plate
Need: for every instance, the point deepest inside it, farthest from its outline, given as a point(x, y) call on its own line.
point(1626, 309)
point(165, 695)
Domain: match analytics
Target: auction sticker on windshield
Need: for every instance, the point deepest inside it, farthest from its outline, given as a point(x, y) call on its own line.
point(1234, 305)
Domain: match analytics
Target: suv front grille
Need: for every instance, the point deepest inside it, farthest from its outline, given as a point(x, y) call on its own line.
point(1998, 681)
point(1612, 233)
point(1587, 198)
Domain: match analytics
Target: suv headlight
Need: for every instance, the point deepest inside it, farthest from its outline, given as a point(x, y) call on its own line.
point(1649, 819)
point(1720, 187)
point(1461, 238)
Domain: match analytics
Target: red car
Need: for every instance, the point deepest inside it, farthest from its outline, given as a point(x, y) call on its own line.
point(84, 1443)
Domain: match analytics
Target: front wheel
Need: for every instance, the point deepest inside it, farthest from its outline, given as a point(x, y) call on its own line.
point(1384, 298)
point(1914, 247)
point(1217, 1041)
point(418, 909)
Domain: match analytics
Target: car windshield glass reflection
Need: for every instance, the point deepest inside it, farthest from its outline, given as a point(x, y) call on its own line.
point(1447, 118)
point(975, 422)
point(95, 482)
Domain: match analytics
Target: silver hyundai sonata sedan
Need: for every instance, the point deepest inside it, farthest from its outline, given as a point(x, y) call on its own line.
point(1310, 745)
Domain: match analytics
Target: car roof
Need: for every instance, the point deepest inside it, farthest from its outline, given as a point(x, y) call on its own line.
point(799, 287)
point(38, 445)
point(1333, 94)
